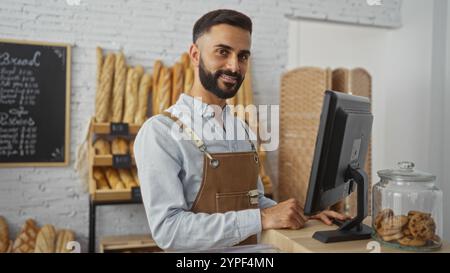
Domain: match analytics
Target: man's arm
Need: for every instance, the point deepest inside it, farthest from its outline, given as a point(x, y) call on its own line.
point(173, 226)
point(264, 202)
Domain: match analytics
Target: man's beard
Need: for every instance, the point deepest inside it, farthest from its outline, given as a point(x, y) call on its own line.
point(210, 81)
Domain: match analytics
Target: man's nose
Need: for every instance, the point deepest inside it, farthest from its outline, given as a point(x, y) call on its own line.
point(233, 64)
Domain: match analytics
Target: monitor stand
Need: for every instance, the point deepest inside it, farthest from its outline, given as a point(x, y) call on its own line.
point(354, 229)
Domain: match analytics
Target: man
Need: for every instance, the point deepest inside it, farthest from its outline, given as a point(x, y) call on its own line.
point(199, 182)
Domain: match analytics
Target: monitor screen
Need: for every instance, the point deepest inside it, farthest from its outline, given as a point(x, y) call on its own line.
point(342, 142)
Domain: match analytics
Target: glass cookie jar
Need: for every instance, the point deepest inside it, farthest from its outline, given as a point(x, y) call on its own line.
point(407, 209)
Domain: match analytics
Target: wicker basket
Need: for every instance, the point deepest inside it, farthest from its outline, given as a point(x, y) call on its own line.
point(300, 105)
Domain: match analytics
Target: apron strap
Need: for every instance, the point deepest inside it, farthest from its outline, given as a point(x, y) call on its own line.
point(194, 137)
point(199, 142)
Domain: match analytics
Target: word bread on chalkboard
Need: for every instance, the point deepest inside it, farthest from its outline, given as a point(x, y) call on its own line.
point(34, 103)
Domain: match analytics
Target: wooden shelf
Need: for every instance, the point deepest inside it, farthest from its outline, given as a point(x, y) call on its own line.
point(106, 160)
point(129, 243)
point(105, 128)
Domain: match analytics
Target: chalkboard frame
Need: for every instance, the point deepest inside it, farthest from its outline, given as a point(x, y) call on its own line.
point(68, 49)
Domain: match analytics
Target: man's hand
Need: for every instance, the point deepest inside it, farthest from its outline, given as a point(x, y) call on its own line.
point(287, 214)
point(326, 216)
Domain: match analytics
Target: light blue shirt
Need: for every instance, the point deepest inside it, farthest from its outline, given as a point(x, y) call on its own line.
point(170, 171)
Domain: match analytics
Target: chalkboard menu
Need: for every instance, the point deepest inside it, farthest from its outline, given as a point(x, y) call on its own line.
point(34, 103)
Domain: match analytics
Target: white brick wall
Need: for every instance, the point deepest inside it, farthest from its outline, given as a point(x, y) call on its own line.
point(145, 30)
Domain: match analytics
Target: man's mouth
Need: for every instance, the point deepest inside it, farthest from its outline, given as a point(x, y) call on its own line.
point(228, 79)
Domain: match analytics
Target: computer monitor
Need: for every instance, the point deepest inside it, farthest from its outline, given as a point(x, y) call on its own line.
point(340, 153)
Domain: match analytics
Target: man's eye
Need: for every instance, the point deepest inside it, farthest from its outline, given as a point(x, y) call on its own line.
point(243, 57)
point(223, 52)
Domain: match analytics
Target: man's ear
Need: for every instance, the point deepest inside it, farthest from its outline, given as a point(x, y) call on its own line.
point(194, 53)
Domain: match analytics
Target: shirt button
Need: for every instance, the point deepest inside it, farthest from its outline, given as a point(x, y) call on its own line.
point(210, 115)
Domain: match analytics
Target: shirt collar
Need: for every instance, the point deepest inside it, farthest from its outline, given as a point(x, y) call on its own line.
point(200, 108)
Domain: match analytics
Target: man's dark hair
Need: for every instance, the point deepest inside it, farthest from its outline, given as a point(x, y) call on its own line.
point(220, 16)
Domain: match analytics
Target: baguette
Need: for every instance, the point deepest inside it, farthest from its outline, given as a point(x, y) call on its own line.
point(118, 94)
point(177, 82)
point(188, 80)
point(131, 95)
point(119, 146)
point(64, 236)
point(135, 175)
point(100, 179)
point(99, 55)
point(248, 87)
point(131, 148)
point(156, 73)
point(103, 96)
point(102, 147)
point(185, 61)
point(26, 239)
point(4, 235)
point(164, 90)
point(144, 90)
point(46, 239)
point(139, 70)
point(127, 178)
point(114, 179)
point(9, 250)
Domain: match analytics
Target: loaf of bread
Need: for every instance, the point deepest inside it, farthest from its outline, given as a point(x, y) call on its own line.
point(114, 179)
point(139, 70)
point(63, 237)
point(177, 82)
point(26, 239)
point(46, 240)
point(119, 146)
point(10, 247)
point(188, 80)
point(4, 235)
point(102, 147)
point(164, 89)
point(103, 96)
point(127, 178)
point(131, 147)
point(120, 78)
point(99, 55)
point(131, 95)
point(185, 61)
point(100, 179)
point(240, 108)
point(144, 90)
point(248, 91)
point(156, 73)
point(135, 175)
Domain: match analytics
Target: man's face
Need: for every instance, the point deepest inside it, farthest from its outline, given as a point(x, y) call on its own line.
point(223, 59)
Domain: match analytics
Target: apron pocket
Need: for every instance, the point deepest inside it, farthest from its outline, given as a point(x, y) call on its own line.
point(232, 201)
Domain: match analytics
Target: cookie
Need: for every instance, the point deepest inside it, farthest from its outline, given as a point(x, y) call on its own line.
point(387, 232)
point(406, 231)
point(411, 241)
point(415, 212)
point(382, 215)
point(422, 226)
point(393, 237)
point(394, 222)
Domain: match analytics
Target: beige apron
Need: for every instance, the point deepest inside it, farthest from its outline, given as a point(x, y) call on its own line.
point(229, 180)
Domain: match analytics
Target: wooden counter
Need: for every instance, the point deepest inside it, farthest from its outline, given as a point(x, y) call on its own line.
point(301, 241)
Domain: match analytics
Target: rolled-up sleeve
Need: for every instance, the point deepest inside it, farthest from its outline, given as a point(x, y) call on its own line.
point(159, 161)
point(263, 201)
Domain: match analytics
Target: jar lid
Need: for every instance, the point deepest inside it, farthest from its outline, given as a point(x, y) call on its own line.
point(406, 173)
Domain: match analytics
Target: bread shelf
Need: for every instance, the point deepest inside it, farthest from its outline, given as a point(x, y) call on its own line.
point(105, 128)
point(107, 160)
point(109, 195)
